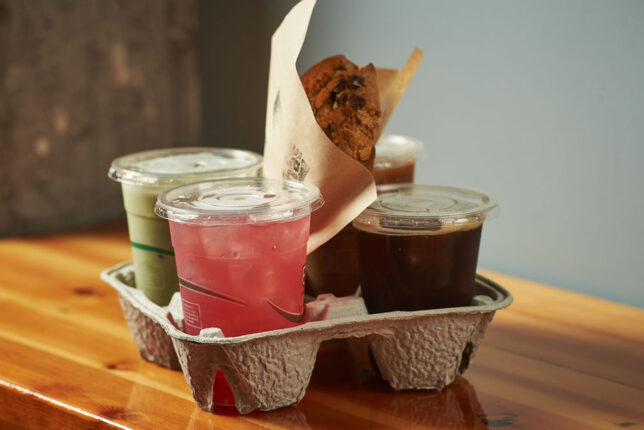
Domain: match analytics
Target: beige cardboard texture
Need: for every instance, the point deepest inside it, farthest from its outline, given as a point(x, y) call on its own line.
point(270, 370)
point(295, 146)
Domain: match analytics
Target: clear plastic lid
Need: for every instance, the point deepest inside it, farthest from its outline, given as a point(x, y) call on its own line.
point(238, 201)
point(174, 166)
point(406, 209)
point(393, 149)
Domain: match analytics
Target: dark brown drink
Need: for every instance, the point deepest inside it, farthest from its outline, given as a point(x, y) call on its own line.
point(333, 267)
point(396, 159)
point(418, 246)
point(395, 174)
point(416, 272)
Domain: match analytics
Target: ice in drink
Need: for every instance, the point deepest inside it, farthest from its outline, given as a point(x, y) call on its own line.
point(245, 278)
point(240, 248)
point(143, 176)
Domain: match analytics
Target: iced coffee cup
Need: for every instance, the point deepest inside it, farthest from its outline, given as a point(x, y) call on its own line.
point(396, 159)
point(333, 267)
point(240, 248)
point(418, 246)
point(143, 176)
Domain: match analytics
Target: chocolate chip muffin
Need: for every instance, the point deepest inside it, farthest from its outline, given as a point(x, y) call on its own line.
point(344, 99)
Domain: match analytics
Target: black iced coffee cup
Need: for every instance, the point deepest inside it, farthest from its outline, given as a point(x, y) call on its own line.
point(418, 246)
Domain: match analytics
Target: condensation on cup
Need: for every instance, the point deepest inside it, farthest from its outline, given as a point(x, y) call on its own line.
point(240, 248)
point(143, 176)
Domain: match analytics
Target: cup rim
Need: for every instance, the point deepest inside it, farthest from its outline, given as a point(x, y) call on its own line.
point(474, 208)
point(402, 149)
point(216, 201)
point(123, 169)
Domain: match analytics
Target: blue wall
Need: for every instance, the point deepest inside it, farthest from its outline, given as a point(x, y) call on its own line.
point(538, 103)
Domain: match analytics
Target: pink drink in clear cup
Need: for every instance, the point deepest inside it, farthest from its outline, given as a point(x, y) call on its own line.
point(240, 249)
point(241, 278)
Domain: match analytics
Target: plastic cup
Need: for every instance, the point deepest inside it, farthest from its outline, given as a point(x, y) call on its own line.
point(333, 267)
point(396, 157)
point(240, 248)
point(418, 246)
point(143, 176)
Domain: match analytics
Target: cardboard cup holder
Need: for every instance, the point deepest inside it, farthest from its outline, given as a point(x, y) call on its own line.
point(270, 370)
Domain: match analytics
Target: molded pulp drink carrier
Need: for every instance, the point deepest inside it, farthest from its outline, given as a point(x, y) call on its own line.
point(270, 370)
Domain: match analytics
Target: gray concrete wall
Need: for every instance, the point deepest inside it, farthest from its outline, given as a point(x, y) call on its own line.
point(81, 83)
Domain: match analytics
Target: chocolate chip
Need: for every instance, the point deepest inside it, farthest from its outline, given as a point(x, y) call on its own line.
point(356, 82)
point(357, 102)
point(339, 86)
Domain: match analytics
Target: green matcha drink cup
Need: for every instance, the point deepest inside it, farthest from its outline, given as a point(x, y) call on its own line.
point(143, 176)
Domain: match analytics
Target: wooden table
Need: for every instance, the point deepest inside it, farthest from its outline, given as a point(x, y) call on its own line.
point(554, 359)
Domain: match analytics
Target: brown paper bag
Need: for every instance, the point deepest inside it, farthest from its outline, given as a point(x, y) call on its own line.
point(295, 146)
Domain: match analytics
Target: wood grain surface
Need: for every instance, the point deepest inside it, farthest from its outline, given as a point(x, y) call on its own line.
point(554, 359)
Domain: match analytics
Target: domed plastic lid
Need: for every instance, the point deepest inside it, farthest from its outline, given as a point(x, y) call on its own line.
point(419, 209)
point(174, 166)
point(238, 201)
point(393, 148)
